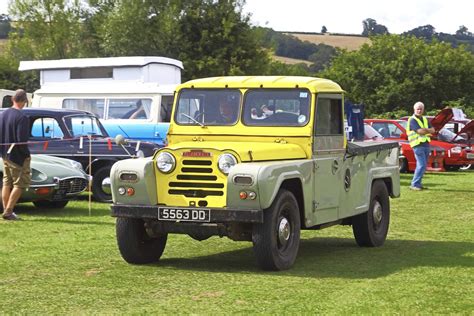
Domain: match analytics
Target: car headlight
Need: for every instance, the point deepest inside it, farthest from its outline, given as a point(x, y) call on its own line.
point(226, 162)
point(165, 162)
point(37, 176)
point(456, 150)
point(76, 165)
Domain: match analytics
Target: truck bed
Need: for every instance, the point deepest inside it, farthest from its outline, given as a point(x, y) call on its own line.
point(367, 147)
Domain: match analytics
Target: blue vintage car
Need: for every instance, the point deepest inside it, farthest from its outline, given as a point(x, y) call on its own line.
point(54, 181)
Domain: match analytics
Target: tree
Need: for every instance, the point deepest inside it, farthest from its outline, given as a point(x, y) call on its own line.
point(47, 29)
point(426, 31)
point(371, 27)
point(396, 71)
point(463, 33)
point(324, 29)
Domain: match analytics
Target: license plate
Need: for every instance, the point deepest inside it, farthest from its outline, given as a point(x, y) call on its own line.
point(59, 195)
point(470, 156)
point(184, 214)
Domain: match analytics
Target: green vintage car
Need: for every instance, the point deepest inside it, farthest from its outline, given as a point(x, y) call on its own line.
point(54, 181)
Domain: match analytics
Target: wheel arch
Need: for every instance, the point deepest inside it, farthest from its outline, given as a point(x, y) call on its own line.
point(295, 186)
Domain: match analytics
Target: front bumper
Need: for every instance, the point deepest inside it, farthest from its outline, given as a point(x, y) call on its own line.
point(217, 215)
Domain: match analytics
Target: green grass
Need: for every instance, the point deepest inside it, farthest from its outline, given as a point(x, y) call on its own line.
point(67, 262)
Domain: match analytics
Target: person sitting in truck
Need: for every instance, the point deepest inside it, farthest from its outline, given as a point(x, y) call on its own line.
point(227, 111)
point(137, 113)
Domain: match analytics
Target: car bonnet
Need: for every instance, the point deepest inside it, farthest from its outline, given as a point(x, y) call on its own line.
point(442, 118)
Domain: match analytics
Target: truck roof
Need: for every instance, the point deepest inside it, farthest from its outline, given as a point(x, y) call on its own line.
point(313, 84)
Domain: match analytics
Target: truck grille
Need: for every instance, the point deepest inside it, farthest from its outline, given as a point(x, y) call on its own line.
point(196, 179)
point(73, 185)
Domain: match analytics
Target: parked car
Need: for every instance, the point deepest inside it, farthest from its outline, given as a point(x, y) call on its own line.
point(79, 135)
point(459, 147)
point(395, 130)
point(54, 181)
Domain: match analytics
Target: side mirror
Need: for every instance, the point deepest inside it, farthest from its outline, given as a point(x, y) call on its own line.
point(120, 140)
point(404, 136)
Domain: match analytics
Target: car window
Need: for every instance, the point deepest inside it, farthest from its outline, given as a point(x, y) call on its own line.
point(329, 119)
point(208, 107)
point(46, 127)
point(96, 106)
point(166, 108)
point(129, 109)
point(82, 125)
point(276, 107)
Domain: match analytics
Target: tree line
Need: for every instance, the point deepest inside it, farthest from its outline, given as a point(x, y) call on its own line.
point(216, 38)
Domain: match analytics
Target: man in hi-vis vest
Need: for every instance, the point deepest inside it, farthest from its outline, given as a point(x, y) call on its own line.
point(418, 131)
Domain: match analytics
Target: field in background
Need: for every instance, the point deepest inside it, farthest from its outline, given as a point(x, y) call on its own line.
point(341, 41)
point(291, 61)
point(67, 262)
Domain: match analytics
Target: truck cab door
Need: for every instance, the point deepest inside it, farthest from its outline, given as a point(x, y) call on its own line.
point(328, 155)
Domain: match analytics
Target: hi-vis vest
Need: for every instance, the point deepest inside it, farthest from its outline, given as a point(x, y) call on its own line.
point(413, 137)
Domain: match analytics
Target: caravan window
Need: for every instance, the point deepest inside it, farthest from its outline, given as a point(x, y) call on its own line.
point(96, 106)
point(129, 109)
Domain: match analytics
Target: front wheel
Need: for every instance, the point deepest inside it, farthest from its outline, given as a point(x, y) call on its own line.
point(135, 245)
point(277, 239)
point(370, 228)
point(101, 185)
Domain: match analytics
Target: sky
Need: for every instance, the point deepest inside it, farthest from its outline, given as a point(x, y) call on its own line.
point(346, 16)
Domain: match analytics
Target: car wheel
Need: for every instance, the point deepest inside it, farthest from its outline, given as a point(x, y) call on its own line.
point(277, 239)
point(370, 228)
point(100, 180)
point(403, 165)
point(135, 245)
point(50, 204)
point(451, 167)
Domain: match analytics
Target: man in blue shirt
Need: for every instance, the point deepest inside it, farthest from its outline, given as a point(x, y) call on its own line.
point(418, 131)
point(14, 133)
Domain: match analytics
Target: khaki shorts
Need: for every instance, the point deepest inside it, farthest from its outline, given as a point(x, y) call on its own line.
point(15, 175)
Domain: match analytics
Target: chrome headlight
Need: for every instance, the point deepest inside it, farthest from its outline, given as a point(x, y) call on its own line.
point(226, 162)
point(38, 176)
point(456, 150)
point(165, 162)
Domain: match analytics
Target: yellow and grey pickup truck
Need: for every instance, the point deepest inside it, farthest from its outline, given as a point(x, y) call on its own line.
point(255, 158)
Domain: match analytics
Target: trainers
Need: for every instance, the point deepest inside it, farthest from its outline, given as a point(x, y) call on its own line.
point(415, 188)
point(11, 217)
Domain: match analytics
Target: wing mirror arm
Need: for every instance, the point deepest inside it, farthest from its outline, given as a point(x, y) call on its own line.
point(121, 141)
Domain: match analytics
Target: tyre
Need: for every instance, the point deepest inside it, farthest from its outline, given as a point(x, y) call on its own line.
point(370, 228)
point(135, 245)
point(452, 167)
point(403, 165)
point(467, 167)
point(277, 239)
point(100, 180)
point(50, 204)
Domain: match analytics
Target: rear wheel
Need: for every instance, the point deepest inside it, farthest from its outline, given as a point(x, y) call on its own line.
point(452, 167)
point(276, 240)
point(134, 243)
point(50, 204)
point(101, 185)
point(370, 228)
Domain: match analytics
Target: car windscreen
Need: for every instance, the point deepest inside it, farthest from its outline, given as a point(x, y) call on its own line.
point(82, 125)
point(276, 107)
point(208, 107)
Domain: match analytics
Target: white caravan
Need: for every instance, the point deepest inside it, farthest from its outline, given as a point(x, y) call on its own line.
point(132, 96)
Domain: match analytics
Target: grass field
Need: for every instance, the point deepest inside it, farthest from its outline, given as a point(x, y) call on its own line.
point(67, 262)
point(347, 42)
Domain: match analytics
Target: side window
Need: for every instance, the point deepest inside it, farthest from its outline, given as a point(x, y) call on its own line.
point(129, 109)
point(46, 128)
point(166, 108)
point(328, 117)
point(7, 101)
point(382, 128)
point(96, 106)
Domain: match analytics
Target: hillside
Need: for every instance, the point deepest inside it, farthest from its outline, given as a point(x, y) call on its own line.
point(291, 61)
point(349, 42)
